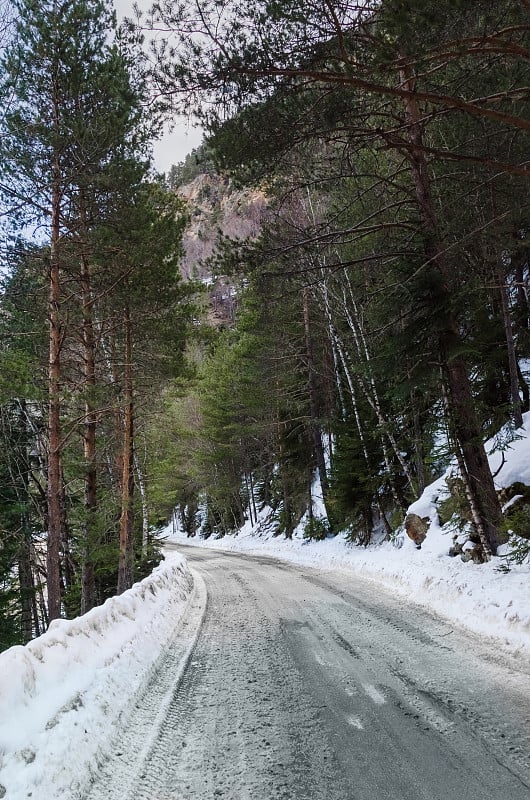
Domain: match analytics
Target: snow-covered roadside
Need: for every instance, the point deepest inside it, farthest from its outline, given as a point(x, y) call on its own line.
point(478, 597)
point(63, 695)
point(483, 598)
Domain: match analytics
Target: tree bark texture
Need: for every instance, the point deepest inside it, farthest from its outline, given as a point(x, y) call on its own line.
point(512, 355)
point(313, 402)
point(26, 583)
point(54, 484)
point(125, 564)
point(88, 583)
point(460, 401)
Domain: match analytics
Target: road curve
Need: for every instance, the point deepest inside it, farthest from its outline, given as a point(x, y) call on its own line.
point(316, 685)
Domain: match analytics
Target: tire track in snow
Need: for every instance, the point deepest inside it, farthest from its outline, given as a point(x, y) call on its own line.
point(113, 778)
point(281, 700)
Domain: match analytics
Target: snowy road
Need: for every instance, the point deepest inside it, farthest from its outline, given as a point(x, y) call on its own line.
point(309, 685)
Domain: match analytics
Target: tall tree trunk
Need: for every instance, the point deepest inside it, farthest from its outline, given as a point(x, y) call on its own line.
point(331, 335)
point(88, 581)
point(42, 610)
point(20, 478)
point(54, 485)
point(249, 502)
point(522, 311)
point(460, 400)
point(371, 392)
point(313, 403)
point(125, 564)
point(512, 356)
point(145, 507)
point(525, 390)
point(362, 439)
point(253, 496)
point(476, 515)
point(398, 500)
point(25, 579)
point(286, 494)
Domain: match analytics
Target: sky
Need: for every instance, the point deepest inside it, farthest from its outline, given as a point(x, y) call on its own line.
point(176, 143)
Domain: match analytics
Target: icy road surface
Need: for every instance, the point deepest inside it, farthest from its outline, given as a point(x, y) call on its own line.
point(309, 685)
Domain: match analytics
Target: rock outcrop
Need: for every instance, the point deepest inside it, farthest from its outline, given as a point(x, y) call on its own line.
point(416, 528)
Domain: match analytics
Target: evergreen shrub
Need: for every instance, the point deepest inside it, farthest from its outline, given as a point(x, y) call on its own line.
point(516, 528)
point(316, 528)
point(455, 507)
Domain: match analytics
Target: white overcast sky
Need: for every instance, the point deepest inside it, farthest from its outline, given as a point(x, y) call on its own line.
point(177, 143)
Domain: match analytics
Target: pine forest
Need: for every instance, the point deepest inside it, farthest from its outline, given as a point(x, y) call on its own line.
point(301, 323)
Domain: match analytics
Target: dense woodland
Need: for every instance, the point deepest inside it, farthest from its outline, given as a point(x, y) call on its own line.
point(379, 319)
point(93, 312)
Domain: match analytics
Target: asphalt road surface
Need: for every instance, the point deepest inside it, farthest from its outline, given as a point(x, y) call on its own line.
point(316, 685)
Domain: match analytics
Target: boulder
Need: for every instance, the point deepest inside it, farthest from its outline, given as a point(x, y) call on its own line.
point(416, 528)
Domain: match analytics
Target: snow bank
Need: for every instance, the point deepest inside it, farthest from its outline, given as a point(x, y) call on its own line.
point(483, 598)
point(63, 694)
point(478, 597)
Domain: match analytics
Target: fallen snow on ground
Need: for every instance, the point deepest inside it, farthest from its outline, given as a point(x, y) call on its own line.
point(483, 598)
point(479, 597)
point(63, 696)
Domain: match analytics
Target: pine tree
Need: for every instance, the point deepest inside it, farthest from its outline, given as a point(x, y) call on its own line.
point(357, 75)
point(22, 458)
point(73, 111)
point(143, 317)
